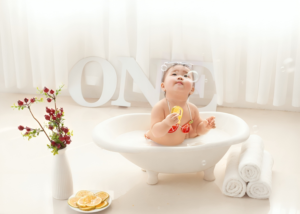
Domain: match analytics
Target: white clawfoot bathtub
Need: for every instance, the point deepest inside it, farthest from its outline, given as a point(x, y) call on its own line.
point(125, 134)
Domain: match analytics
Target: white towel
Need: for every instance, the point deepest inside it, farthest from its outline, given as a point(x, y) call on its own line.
point(262, 188)
point(233, 185)
point(251, 157)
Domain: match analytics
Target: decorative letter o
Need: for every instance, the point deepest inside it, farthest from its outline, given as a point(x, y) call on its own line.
point(109, 85)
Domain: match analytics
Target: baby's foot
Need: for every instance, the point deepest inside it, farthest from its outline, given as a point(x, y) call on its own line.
point(146, 135)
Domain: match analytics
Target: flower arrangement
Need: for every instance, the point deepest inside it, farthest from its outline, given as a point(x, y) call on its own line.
point(60, 135)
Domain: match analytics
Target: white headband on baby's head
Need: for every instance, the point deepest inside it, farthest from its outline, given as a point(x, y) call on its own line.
point(166, 65)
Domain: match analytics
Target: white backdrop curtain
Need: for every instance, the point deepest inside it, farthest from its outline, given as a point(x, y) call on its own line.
point(253, 45)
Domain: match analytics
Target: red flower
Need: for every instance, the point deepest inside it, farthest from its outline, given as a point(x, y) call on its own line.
point(50, 127)
point(26, 100)
point(58, 145)
point(66, 130)
point(20, 103)
point(46, 90)
point(21, 128)
point(53, 143)
point(51, 92)
point(49, 100)
point(47, 117)
point(48, 110)
point(28, 129)
point(32, 100)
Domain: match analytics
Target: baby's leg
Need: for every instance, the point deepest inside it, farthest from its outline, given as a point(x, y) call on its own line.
point(187, 136)
point(191, 135)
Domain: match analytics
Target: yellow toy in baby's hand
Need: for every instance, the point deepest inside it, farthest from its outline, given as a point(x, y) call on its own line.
point(179, 111)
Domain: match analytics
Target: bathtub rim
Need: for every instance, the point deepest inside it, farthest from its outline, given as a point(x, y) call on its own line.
point(108, 144)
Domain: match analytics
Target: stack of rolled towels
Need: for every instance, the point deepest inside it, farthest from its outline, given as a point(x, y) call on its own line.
point(249, 170)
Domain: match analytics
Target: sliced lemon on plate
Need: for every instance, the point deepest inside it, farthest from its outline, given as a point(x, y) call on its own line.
point(73, 201)
point(83, 193)
point(102, 204)
point(102, 195)
point(89, 201)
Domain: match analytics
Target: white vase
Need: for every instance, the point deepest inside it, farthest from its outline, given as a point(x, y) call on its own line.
point(62, 182)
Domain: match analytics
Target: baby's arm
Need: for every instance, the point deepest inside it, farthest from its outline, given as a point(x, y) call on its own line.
point(203, 126)
point(159, 125)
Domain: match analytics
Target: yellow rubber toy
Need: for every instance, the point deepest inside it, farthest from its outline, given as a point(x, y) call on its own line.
point(178, 110)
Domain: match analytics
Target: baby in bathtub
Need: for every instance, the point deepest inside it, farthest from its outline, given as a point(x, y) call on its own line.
point(177, 84)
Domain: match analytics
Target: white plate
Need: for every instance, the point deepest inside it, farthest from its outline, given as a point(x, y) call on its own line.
point(109, 200)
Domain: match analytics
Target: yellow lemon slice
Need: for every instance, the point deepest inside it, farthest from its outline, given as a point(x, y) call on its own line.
point(178, 110)
point(81, 206)
point(73, 201)
point(102, 195)
point(87, 208)
point(83, 193)
point(102, 204)
point(89, 201)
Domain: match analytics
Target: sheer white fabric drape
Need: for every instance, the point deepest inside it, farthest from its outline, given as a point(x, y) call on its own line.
point(41, 40)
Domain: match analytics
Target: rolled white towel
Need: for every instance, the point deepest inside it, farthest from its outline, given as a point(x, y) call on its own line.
point(262, 188)
point(251, 158)
point(233, 185)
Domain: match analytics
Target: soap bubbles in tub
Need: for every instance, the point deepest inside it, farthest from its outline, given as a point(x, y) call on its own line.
point(193, 144)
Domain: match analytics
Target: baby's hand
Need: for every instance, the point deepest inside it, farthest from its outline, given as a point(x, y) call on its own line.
point(171, 119)
point(210, 123)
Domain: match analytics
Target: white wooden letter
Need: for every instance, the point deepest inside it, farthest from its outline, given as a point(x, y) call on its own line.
point(109, 85)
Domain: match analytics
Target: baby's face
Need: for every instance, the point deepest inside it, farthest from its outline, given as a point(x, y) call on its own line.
point(178, 80)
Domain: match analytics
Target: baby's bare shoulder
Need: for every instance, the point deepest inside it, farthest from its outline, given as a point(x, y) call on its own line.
point(158, 108)
point(193, 107)
point(194, 110)
point(157, 113)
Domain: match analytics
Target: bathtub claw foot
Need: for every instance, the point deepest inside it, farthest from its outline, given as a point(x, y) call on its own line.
point(152, 177)
point(209, 174)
